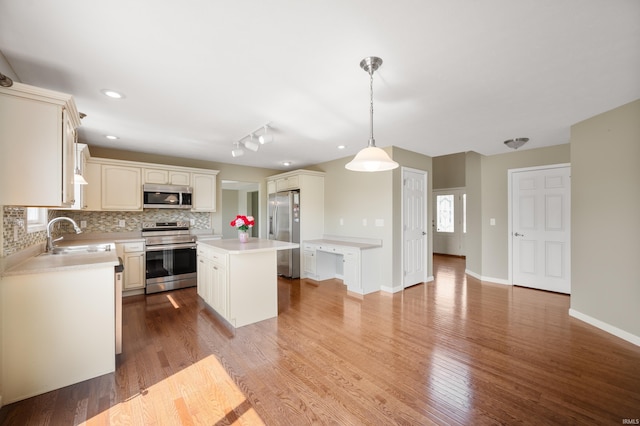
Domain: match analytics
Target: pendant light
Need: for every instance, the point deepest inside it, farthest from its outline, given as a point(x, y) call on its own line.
point(371, 158)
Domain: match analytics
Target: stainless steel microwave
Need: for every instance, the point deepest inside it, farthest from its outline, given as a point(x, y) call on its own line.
point(166, 196)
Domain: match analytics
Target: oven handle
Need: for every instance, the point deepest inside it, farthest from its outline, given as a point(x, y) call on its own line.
point(171, 247)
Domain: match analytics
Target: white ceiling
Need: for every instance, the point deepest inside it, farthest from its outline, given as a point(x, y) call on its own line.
point(199, 75)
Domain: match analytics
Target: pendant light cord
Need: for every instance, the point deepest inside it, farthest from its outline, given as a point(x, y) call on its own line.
point(372, 141)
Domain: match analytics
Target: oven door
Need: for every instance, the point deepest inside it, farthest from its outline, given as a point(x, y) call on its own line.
point(169, 267)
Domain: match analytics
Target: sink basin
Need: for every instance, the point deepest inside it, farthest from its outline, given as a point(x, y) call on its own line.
point(80, 249)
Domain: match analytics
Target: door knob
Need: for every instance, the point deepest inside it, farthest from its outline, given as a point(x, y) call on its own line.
point(424, 233)
point(519, 235)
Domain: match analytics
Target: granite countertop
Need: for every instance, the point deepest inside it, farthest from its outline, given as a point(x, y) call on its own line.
point(234, 246)
point(358, 245)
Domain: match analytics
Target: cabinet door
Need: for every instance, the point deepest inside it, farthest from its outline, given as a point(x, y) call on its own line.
point(121, 188)
point(68, 161)
point(134, 271)
point(158, 176)
point(31, 158)
point(271, 187)
point(179, 178)
point(91, 197)
point(351, 271)
point(310, 262)
point(219, 294)
point(204, 192)
point(291, 182)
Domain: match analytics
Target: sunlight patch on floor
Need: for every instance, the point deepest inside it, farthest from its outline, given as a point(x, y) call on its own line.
point(201, 394)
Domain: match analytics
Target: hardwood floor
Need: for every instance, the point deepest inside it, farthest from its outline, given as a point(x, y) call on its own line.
point(454, 351)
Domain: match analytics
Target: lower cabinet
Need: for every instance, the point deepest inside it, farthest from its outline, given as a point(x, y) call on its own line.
point(132, 255)
point(309, 262)
point(213, 285)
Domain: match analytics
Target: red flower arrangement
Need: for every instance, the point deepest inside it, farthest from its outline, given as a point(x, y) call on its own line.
point(243, 223)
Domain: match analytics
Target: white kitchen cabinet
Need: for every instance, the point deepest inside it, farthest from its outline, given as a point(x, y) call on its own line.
point(212, 280)
point(121, 187)
point(132, 255)
point(204, 192)
point(288, 183)
point(271, 187)
point(92, 191)
point(37, 130)
point(166, 176)
point(351, 270)
point(309, 261)
point(58, 329)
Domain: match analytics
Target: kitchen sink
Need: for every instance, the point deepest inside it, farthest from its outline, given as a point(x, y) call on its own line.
point(80, 249)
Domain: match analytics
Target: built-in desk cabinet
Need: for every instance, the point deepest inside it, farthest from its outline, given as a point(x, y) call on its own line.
point(356, 263)
point(37, 130)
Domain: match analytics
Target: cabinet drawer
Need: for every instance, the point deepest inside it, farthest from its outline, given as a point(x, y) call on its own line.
point(133, 247)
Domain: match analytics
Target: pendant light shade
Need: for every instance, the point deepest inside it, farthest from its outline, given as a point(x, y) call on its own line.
point(371, 158)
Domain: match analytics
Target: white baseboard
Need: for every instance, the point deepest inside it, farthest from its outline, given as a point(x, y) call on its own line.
point(487, 279)
point(606, 327)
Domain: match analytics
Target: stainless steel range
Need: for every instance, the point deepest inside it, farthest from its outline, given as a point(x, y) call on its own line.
point(170, 256)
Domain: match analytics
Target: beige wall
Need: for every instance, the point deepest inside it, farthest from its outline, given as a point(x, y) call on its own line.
point(449, 171)
point(354, 196)
point(494, 204)
point(227, 172)
point(473, 187)
point(605, 175)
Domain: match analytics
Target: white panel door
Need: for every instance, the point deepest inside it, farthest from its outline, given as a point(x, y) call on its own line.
point(414, 220)
point(541, 213)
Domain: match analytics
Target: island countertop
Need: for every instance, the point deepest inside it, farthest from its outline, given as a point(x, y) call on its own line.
point(254, 245)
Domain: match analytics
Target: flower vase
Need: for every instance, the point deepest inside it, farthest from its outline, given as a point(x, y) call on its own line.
point(243, 236)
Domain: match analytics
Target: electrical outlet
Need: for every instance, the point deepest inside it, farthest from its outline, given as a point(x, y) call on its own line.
point(83, 224)
point(341, 221)
point(121, 223)
point(364, 222)
point(192, 222)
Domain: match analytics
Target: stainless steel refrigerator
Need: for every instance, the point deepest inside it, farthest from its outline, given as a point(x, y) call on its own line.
point(284, 225)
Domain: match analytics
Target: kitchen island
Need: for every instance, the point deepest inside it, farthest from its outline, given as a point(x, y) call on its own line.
point(239, 280)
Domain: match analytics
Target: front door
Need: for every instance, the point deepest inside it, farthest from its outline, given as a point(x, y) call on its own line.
point(449, 207)
point(414, 220)
point(540, 228)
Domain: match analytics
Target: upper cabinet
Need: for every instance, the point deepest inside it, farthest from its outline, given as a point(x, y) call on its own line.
point(37, 134)
point(168, 177)
point(117, 184)
point(121, 187)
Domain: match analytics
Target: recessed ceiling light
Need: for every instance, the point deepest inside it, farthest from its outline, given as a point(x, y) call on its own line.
point(342, 146)
point(111, 137)
point(286, 163)
point(112, 93)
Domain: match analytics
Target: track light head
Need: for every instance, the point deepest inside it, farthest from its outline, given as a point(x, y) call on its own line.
point(251, 145)
point(237, 151)
point(266, 138)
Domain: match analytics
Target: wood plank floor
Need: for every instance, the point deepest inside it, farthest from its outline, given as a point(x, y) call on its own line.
point(454, 351)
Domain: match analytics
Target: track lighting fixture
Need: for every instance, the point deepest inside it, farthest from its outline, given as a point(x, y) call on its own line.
point(250, 143)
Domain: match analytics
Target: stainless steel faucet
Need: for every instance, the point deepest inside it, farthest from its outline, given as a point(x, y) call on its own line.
point(50, 240)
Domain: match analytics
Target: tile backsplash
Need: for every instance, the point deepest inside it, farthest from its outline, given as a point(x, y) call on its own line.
point(98, 222)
